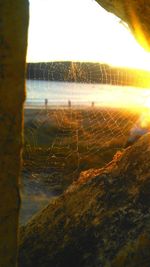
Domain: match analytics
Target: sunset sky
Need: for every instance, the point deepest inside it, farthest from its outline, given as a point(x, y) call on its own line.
point(80, 30)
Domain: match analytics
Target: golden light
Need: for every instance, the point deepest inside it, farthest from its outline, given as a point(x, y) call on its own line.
point(147, 102)
point(81, 31)
point(145, 119)
point(126, 97)
point(137, 27)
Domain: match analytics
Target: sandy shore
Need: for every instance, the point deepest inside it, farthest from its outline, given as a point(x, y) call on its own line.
point(60, 143)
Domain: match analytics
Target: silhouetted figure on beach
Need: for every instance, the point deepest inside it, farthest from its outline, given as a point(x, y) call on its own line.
point(69, 104)
point(92, 104)
point(46, 103)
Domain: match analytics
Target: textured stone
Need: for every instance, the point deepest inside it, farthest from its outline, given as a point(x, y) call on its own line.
point(13, 42)
point(134, 12)
point(103, 219)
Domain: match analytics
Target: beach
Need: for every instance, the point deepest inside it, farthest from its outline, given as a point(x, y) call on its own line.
point(60, 143)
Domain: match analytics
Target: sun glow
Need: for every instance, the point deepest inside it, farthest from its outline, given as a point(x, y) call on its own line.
point(127, 98)
point(145, 119)
point(81, 31)
point(147, 102)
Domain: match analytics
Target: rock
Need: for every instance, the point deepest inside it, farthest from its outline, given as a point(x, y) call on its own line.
point(134, 12)
point(102, 220)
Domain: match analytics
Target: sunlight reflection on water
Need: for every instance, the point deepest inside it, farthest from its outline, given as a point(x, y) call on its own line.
point(58, 93)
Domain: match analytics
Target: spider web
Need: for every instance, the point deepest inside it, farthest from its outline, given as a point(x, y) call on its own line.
point(81, 127)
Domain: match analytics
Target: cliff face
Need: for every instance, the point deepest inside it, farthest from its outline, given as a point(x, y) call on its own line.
point(86, 72)
point(101, 220)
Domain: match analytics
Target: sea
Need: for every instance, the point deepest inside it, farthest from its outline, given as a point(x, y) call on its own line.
point(60, 94)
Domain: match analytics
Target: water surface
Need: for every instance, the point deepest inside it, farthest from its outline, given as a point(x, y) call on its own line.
point(59, 93)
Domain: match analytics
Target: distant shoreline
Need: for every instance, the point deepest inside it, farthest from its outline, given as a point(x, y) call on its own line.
point(30, 110)
point(87, 72)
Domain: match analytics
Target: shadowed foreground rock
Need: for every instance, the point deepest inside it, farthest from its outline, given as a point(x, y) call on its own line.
point(103, 220)
point(13, 43)
point(136, 13)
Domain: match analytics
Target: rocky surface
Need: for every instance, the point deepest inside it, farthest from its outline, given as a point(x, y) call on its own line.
point(134, 12)
point(102, 220)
